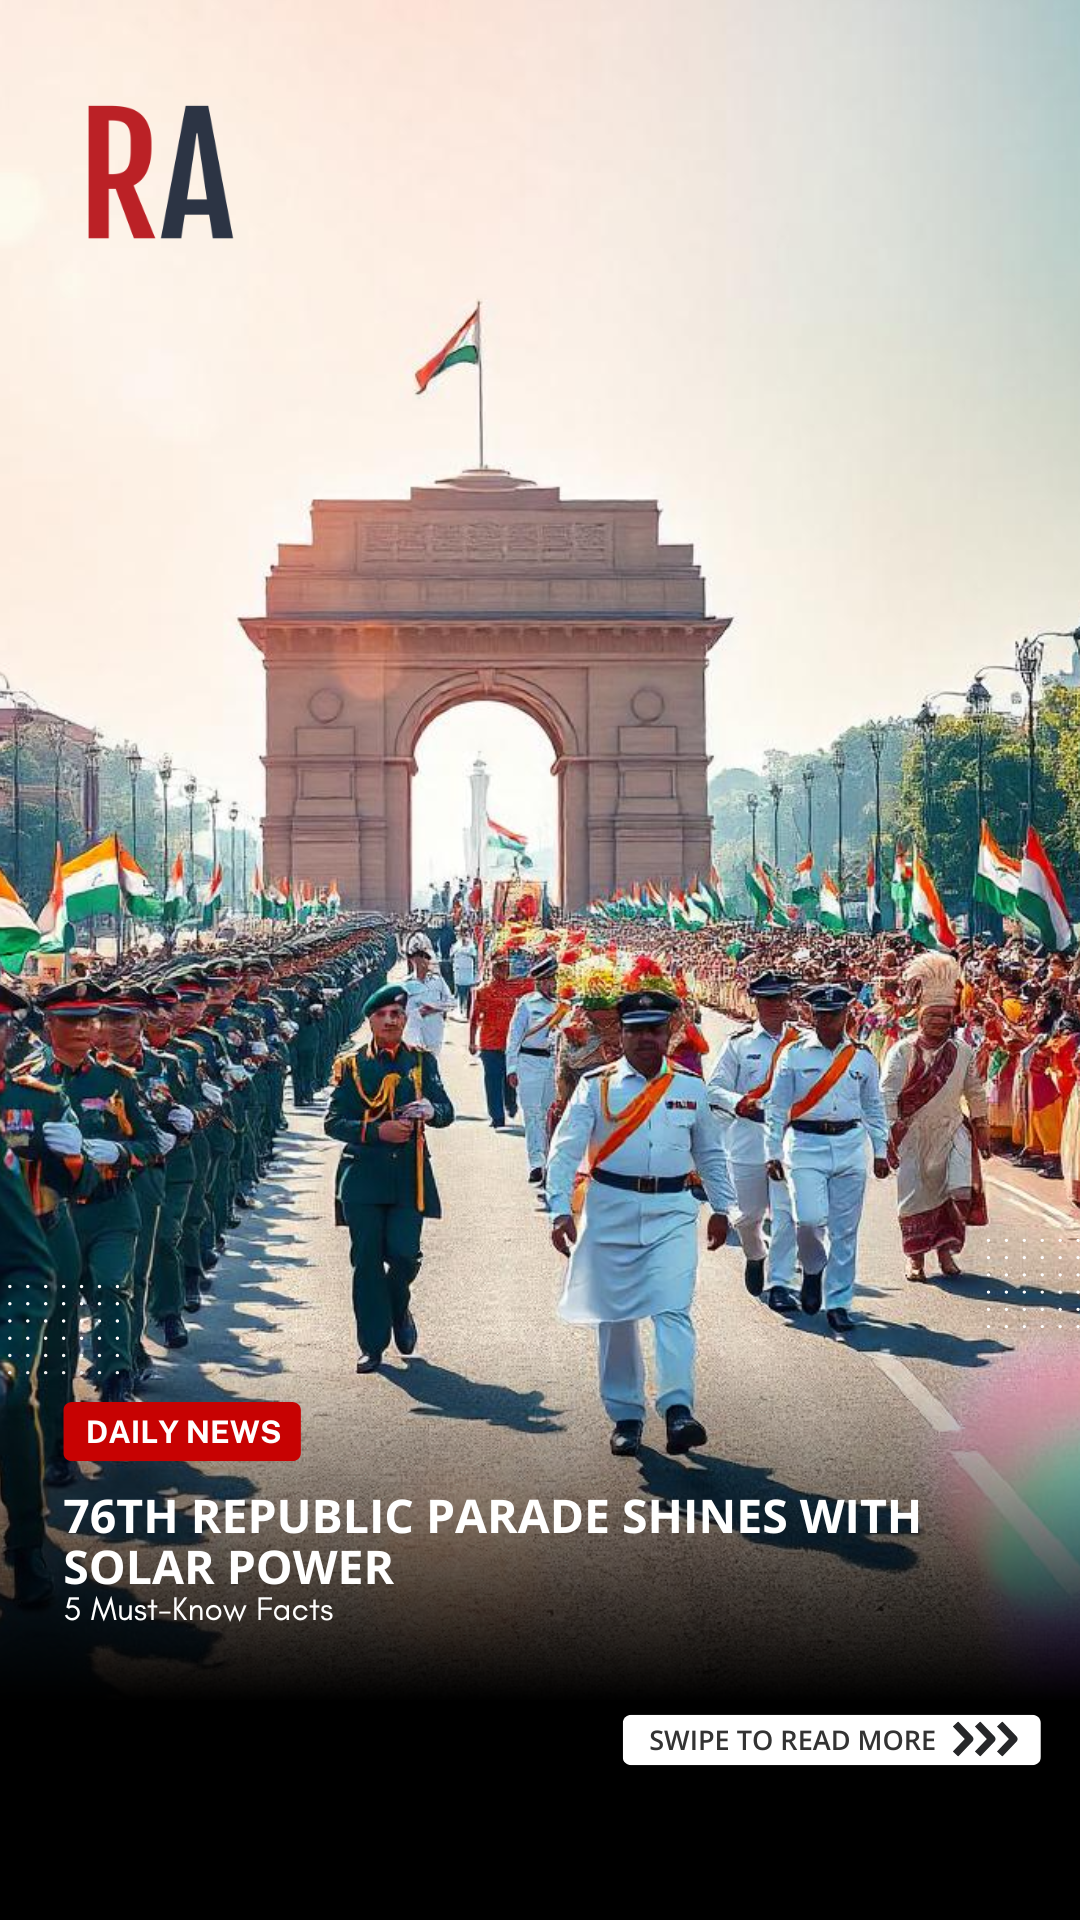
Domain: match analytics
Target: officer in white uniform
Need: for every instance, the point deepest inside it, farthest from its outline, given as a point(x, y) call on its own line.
point(737, 1090)
point(530, 1059)
point(820, 1148)
point(634, 1256)
point(429, 999)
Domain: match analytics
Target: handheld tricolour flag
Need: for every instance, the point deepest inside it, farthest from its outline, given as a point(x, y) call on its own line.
point(930, 924)
point(804, 892)
point(1039, 899)
point(830, 911)
point(873, 917)
point(174, 893)
point(18, 933)
point(997, 876)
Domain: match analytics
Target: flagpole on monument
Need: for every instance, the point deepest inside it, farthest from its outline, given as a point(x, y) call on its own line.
point(480, 382)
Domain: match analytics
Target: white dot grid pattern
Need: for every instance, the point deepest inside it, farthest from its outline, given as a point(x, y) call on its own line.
point(1038, 1266)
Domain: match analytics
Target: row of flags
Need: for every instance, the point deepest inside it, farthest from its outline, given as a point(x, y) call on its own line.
point(699, 905)
point(107, 879)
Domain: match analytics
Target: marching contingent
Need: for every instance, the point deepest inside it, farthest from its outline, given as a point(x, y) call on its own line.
point(140, 1106)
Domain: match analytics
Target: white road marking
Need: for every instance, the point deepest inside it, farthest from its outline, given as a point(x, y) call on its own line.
point(933, 1412)
point(1055, 1557)
point(1030, 1205)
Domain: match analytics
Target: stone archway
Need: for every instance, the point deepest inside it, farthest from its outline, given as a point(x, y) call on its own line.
point(485, 588)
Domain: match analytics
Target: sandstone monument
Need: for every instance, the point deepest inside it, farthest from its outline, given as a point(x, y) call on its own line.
point(485, 587)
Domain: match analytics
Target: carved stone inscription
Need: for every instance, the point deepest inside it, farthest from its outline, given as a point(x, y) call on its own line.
point(488, 541)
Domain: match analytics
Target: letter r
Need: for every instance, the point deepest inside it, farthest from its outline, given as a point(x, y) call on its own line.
point(101, 182)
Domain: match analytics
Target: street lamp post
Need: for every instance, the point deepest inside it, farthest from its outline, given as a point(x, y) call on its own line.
point(877, 733)
point(213, 803)
point(978, 711)
point(753, 802)
point(134, 763)
point(1028, 665)
point(165, 773)
point(808, 783)
point(776, 793)
point(91, 772)
point(234, 815)
point(20, 713)
point(839, 761)
point(926, 720)
point(57, 734)
point(191, 788)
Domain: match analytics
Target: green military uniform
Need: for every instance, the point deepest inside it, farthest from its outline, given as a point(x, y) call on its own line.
point(378, 1182)
point(107, 1106)
point(26, 1287)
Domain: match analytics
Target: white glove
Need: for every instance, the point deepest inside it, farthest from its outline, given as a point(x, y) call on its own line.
point(62, 1136)
point(166, 1141)
point(182, 1119)
point(213, 1094)
point(260, 1050)
point(290, 1029)
point(419, 1110)
point(103, 1153)
point(237, 1075)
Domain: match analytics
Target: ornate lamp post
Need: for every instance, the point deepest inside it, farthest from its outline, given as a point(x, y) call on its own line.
point(753, 802)
point(776, 794)
point(1029, 653)
point(926, 721)
point(134, 764)
point(978, 712)
point(20, 714)
point(56, 733)
point(165, 773)
point(190, 790)
point(808, 783)
point(839, 761)
point(876, 734)
point(91, 773)
point(234, 815)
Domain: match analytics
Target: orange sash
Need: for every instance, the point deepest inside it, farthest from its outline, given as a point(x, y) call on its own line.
point(759, 1093)
point(553, 1019)
point(628, 1121)
point(835, 1071)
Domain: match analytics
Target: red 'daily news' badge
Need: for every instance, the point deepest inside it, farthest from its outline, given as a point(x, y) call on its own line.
point(182, 1430)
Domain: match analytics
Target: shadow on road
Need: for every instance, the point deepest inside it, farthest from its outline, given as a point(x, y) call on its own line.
point(446, 1395)
point(703, 1477)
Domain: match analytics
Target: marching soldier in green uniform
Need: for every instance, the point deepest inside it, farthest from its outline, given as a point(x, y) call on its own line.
point(186, 1165)
point(26, 1289)
point(385, 1096)
point(38, 1125)
point(120, 1138)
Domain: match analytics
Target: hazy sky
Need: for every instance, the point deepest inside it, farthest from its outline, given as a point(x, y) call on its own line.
point(805, 271)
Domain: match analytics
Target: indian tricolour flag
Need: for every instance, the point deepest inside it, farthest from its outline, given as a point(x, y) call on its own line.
point(830, 912)
point(930, 924)
point(211, 897)
point(92, 880)
point(804, 892)
point(174, 893)
point(871, 896)
point(19, 935)
point(333, 898)
point(503, 840)
point(139, 896)
point(53, 926)
point(1039, 899)
point(997, 876)
point(261, 894)
point(462, 345)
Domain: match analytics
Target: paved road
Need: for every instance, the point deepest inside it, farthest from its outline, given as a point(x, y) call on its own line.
point(950, 1395)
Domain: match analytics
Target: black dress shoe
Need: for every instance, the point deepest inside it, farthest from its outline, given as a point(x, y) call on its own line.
point(840, 1320)
point(60, 1473)
point(206, 1283)
point(33, 1581)
point(782, 1300)
point(211, 1260)
point(683, 1431)
point(117, 1387)
point(626, 1437)
point(810, 1298)
point(369, 1363)
point(405, 1335)
point(192, 1295)
point(142, 1374)
point(173, 1331)
point(536, 1176)
point(219, 1243)
point(755, 1277)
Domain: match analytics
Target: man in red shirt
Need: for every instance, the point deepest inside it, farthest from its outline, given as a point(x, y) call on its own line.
point(492, 1011)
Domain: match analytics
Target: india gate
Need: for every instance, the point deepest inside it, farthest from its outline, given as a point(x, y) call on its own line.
point(485, 587)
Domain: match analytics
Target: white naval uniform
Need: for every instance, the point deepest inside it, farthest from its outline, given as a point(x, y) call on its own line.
point(827, 1172)
point(535, 1068)
point(744, 1062)
point(427, 1030)
point(636, 1253)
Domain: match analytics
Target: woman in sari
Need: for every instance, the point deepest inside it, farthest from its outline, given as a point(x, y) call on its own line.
point(935, 1100)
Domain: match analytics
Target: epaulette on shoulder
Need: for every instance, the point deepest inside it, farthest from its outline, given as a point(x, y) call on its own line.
point(38, 1086)
point(339, 1066)
point(596, 1073)
point(110, 1060)
point(740, 1033)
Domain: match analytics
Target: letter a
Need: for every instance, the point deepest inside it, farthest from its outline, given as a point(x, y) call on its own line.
point(102, 182)
point(196, 126)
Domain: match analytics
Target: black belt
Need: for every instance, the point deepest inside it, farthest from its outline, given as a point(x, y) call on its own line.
point(644, 1182)
point(537, 1053)
point(823, 1126)
point(757, 1118)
